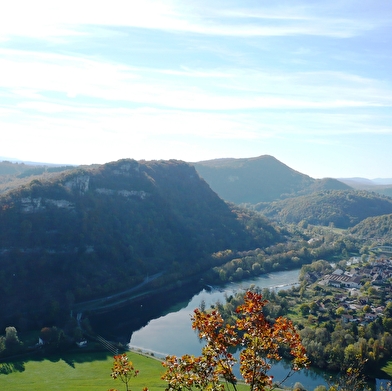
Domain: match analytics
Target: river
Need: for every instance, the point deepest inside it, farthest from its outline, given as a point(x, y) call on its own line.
point(172, 333)
point(162, 326)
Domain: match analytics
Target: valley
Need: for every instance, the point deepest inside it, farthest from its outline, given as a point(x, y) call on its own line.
point(105, 239)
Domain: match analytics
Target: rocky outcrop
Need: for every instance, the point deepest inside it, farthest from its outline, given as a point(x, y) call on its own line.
point(31, 205)
point(79, 183)
point(125, 193)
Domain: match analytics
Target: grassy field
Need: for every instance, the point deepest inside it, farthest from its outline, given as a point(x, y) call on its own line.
point(78, 372)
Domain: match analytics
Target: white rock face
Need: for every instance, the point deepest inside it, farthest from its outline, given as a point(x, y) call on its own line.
point(79, 184)
point(32, 205)
point(126, 169)
point(63, 204)
point(105, 191)
point(133, 193)
point(125, 193)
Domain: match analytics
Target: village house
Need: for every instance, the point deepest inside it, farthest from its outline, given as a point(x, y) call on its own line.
point(343, 281)
point(348, 319)
point(370, 317)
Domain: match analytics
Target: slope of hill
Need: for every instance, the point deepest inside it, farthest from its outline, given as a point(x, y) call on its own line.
point(14, 174)
point(375, 228)
point(259, 179)
point(93, 231)
point(342, 208)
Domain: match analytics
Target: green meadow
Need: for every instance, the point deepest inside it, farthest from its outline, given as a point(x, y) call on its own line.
point(78, 372)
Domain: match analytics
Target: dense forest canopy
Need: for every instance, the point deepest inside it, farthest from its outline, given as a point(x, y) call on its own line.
point(343, 209)
point(93, 231)
point(375, 228)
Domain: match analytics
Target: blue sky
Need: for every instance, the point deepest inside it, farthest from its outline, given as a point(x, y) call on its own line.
point(308, 82)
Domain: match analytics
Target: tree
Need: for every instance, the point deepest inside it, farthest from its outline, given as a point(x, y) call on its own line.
point(352, 377)
point(260, 342)
point(366, 308)
point(298, 387)
point(305, 309)
point(124, 370)
point(388, 309)
point(12, 343)
point(46, 334)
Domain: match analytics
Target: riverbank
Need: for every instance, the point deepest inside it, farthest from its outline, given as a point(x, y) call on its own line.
point(142, 292)
point(164, 327)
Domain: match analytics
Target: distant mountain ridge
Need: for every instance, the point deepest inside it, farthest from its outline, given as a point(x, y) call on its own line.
point(381, 186)
point(259, 179)
point(367, 182)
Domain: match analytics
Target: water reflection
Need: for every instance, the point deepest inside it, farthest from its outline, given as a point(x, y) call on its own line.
point(172, 333)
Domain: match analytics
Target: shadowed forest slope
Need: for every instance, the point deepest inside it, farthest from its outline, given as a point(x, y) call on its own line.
point(93, 231)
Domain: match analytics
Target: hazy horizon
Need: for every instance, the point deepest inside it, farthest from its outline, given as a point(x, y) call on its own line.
point(16, 160)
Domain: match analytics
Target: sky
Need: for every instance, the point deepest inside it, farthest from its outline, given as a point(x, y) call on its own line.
point(306, 81)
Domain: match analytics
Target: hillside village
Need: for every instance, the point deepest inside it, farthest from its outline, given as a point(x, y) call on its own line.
point(365, 290)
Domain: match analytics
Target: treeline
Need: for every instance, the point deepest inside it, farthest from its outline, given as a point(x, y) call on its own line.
point(48, 340)
point(342, 209)
point(331, 342)
point(300, 247)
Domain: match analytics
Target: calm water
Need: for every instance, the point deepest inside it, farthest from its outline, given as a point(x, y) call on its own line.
point(172, 333)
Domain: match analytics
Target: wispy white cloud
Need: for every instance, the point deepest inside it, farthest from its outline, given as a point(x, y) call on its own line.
point(175, 79)
point(34, 74)
point(46, 19)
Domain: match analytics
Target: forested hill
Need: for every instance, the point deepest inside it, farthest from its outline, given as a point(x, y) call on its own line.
point(13, 175)
point(342, 208)
point(377, 228)
point(94, 231)
point(259, 179)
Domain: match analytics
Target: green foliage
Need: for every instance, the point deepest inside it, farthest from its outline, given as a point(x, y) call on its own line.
point(351, 377)
point(342, 208)
point(260, 342)
point(91, 232)
point(379, 228)
point(331, 342)
point(292, 253)
point(124, 370)
point(14, 175)
point(10, 343)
